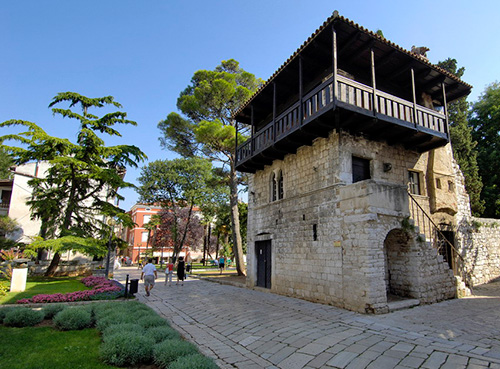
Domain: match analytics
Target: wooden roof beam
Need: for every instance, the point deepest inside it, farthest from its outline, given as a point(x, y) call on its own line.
point(404, 68)
point(380, 63)
point(433, 83)
point(367, 45)
point(352, 39)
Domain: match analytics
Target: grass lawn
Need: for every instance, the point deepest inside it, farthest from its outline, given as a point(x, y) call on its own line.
point(45, 285)
point(47, 348)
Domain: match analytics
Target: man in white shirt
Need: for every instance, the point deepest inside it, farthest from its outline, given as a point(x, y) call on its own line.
point(149, 274)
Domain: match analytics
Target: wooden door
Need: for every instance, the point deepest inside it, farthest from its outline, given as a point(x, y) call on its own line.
point(263, 252)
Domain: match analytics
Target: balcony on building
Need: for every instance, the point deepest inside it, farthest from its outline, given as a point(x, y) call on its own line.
point(349, 79)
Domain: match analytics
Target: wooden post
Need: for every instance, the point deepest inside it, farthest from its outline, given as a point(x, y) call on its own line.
point(374, 85)
point(252, 129)
point(274, 111)
point(445, 107)
point(414, 97)
point(334, 65)
point(301, 108)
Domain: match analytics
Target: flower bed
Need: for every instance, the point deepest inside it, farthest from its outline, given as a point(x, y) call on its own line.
point(102, 289)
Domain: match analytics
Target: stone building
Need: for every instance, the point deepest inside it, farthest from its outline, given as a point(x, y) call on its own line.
point(354, 196)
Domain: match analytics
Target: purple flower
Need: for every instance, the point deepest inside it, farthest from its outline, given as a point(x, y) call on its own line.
point(102, 288)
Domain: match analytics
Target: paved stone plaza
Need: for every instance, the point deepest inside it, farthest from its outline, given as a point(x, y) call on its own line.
point(243, 328)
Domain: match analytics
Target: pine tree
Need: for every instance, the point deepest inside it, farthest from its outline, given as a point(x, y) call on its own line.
point(485, 121)
point(464, 146)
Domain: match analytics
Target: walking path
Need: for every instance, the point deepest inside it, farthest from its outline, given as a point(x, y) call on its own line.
point(243, 328)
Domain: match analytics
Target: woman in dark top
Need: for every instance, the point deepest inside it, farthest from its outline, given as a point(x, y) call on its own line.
point(181, 266)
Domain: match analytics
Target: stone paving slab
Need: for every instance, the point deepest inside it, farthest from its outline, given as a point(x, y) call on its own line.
point(244, 328)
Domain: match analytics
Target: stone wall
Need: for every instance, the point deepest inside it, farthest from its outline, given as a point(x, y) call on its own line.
point(328, 234)
point(478, 239)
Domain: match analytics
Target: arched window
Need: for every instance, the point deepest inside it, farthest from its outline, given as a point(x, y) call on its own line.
point(280, 185)
point(273, 187)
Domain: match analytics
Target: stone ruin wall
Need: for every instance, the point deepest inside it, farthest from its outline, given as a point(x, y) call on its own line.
point(478, 239)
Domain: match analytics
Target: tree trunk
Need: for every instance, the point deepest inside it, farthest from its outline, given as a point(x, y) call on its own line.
point(51, 270)
point(235, 220)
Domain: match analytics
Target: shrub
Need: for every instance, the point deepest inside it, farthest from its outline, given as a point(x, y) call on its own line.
point(120, 328)
point(168, 351)
point(112, 318)
point(73, 319)
point(193, 361)
point(151, 320)
point(23, 317)
point(52, 309)
point(126, 349)
point(159, 334)
point(4, 311)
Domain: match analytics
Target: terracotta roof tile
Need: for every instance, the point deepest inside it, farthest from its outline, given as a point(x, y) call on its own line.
point(336, 16)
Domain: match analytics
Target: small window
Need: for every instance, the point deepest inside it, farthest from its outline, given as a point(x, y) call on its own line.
point(146, 219)
point(360, 169)
point(438, 183)
point(280, 185)
point(315, 232)
point(451, 186)
point(144, 237)
point(414, 182)
point(273, 188)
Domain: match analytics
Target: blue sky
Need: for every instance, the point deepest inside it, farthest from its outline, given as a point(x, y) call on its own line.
point(144, 52)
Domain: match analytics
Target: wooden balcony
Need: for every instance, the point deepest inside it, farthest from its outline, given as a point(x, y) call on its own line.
point(355, 108)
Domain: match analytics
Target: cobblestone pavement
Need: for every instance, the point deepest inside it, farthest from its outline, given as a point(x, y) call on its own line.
point(243, 328)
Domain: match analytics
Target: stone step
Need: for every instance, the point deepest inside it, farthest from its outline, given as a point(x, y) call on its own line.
point(402, 304)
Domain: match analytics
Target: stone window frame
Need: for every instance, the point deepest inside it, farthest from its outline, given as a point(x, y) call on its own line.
point(366, 167)
point(272, 187)
point(276, 186)
point(415, 188)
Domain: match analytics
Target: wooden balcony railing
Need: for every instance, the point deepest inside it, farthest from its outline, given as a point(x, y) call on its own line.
point(351, 94)
point(4, 205)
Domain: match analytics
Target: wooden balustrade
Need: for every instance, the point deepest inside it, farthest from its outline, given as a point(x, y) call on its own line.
point(349, 92)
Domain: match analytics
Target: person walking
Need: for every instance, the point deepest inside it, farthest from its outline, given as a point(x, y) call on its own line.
point(221, 264)
point(181, 267)
point(169, 271)
point(149, 274)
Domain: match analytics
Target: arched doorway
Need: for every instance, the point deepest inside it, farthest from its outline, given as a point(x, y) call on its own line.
point(399, 264)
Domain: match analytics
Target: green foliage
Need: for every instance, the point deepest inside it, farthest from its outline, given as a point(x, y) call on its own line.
point(50, 310)
point(74, 318)
point(193, 361)
point(209, 103)
point(223, 224)
point(127, 349)
point(463, 144)
point(177, 185)
point(5, 163)
point(162, 333)
point(151, 320)
point(8, 225)
point(167, 351)
point(120, 328)
point(87, 246)
point(68, 200)
point(407, 225)
point(111, 318)
point(4, 311)
point(3, 291)
point(23, 317)
point(485, 121)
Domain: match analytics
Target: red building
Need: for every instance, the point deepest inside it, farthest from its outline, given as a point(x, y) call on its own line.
point(137, 237)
